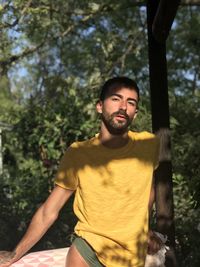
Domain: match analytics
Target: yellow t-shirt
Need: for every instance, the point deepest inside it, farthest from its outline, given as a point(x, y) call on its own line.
point(112, 194)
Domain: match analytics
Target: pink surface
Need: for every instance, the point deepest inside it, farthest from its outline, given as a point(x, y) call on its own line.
point(45, 258)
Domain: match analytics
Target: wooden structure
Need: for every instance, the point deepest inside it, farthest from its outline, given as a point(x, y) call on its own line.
point(160, 16)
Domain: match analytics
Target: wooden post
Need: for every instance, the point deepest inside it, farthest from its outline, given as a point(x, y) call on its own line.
point(161, 125)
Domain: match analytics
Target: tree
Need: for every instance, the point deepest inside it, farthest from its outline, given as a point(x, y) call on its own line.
point(54, 55)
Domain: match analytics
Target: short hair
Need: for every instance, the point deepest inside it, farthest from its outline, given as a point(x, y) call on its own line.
point(117, 83)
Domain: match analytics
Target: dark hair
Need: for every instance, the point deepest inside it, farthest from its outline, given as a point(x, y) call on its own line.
point(117, 83)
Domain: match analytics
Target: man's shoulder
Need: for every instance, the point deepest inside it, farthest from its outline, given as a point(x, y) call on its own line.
point(145, 139)
point(144, 135)
point(76, 149)
point(83, 144)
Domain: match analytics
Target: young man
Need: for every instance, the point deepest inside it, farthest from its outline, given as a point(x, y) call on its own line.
point(111, 175)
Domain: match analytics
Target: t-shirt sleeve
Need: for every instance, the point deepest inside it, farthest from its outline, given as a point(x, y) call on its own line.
point(66, 175)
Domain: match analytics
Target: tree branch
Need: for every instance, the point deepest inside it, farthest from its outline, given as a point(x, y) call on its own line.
point(122, 58)
point(14, 58)
point(27, 51)
point(24, 10)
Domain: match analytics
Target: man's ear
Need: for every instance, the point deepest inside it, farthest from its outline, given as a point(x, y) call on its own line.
point(135, 115)
point(99, 106)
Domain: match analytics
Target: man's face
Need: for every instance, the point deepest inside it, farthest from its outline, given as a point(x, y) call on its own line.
point(118, 109)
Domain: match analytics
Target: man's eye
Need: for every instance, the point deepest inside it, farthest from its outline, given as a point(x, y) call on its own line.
point(115, 99)
point(132, 103)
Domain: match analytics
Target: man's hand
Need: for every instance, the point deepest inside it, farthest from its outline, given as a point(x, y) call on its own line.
point(7, 258)
point(154, 243)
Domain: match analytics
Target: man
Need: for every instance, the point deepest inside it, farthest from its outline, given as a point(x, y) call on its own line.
point(111, 175)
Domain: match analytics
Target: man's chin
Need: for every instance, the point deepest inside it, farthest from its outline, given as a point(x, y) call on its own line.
point(115, 127)
point(118, 130)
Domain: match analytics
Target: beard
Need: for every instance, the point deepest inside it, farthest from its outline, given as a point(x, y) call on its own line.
point(116, 127)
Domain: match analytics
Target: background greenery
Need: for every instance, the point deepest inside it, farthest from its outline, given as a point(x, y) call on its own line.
point(54, 55)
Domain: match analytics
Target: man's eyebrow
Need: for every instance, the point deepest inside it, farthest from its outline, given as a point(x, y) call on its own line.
point(115, 94)
point(120, 96)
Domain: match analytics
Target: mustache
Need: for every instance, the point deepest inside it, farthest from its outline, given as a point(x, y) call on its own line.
point(121, 112)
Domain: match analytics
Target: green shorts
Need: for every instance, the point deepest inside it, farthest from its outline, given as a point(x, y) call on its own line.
point(86, 251)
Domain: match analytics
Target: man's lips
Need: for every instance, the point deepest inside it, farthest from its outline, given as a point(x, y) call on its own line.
point(121, 117)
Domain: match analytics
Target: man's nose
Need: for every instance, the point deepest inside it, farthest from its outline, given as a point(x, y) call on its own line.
point(123, 105)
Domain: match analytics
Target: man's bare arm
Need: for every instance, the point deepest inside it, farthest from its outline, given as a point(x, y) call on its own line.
point(44, 217)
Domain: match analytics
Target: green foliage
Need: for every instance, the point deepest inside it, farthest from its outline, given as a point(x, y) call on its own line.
point(32, 152)
point(183, 58)
point(187, 223)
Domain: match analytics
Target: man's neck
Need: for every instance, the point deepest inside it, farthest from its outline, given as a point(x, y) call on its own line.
point(112, 141)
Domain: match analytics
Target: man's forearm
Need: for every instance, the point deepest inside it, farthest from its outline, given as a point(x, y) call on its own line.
point(40, 223)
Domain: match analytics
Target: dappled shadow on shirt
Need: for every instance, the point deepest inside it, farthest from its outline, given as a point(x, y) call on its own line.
point(111, 198)
point(123, 255)
point(93, 157)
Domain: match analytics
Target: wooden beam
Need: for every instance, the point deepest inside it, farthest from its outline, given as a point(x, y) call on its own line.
point(164, 18)
point(182, 3)
point(161, 124)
